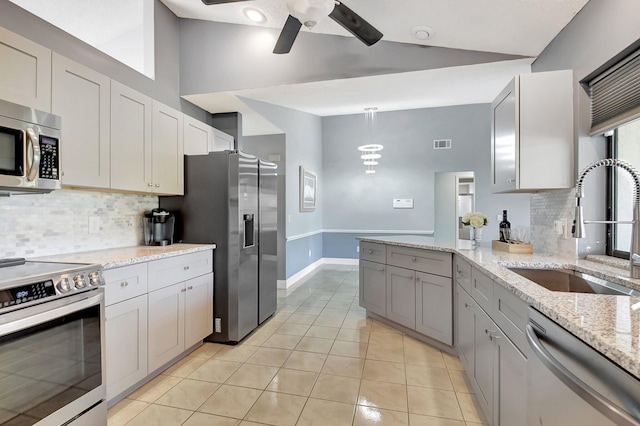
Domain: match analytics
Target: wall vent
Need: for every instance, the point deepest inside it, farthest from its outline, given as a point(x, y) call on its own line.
point(442, 144)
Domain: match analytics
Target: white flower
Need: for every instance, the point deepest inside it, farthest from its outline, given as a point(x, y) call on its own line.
point(475, 219)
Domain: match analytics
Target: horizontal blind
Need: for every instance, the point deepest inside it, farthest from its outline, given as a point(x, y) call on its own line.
point(615, 94)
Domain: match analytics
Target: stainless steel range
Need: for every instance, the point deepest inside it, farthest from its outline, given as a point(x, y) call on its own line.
point(52, 364)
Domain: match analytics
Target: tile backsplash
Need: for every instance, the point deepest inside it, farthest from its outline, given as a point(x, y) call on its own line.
point(546, 207)
point(45, 224)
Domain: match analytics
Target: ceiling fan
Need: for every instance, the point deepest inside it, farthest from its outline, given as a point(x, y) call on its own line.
point(309, 12)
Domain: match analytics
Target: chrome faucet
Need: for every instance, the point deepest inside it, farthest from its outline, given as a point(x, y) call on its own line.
point(578, 229)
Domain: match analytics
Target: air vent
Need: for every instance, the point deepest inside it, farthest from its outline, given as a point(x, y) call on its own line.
point(442, 144)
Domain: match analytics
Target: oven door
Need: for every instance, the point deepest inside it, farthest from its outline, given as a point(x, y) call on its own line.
point(52, 366)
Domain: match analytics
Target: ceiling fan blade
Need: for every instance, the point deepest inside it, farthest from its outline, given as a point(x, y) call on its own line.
point(353, 23)
point(287, 36)
point(211, 2)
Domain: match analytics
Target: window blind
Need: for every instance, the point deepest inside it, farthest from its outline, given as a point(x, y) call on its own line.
point(615, 94)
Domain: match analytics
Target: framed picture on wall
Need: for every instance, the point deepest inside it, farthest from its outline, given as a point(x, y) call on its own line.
point(308, 190)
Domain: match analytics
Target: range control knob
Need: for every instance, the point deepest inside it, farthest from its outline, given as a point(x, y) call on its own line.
point(94, 278)
point(64, 285)
point(79, 281)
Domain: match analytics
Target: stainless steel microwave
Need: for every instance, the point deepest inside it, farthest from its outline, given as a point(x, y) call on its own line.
point(29, 150)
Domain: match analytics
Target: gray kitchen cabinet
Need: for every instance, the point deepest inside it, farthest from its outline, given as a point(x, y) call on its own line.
point(131, 139)
point(434, 307)
point(465, 326)
point(373, 289)
point(126, 344)
point(510, 382)
point(197, 136)
point(496, 369)
point(167, 152)
point(198, 321)
point(166, 324)
point(81, 96)
point(401, 296)
point(532, 130)
point(26, 71)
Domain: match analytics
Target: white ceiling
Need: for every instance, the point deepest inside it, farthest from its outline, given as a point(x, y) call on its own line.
point(520, 27)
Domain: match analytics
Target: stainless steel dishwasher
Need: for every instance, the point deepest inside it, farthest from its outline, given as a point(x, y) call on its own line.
point(570, 383)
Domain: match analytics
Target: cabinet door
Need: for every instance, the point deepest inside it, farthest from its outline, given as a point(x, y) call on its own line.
point(510, 383)
point(167, 150)
point(130, 139)
point(401, 296)
point(26, 71)
point(166, 325)
point(126, 344)
point(434, 307)
point(373, 290)
point(197, 136)
point(504, 139)
point(81, 97)
point(483, 360)
point(198, 309)
point(465, 329)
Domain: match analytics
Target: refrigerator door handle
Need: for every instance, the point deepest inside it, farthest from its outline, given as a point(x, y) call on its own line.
point(249, 230)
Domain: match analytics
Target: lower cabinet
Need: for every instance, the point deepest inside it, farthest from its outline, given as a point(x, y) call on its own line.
point(411, 297)
point(179, 316)
point(496, 368)
point(373, 287)
point(126, 344)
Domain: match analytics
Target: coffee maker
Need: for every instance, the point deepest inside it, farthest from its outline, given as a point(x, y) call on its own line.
point(158, 227)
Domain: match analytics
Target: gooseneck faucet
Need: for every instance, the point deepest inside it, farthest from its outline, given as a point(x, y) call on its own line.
point(578, 229)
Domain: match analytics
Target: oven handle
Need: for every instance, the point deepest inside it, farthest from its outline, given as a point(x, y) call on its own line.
point(580, 388)
point(26, 319)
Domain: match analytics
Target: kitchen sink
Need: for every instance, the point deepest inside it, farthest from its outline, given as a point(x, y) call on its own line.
point(568, 280)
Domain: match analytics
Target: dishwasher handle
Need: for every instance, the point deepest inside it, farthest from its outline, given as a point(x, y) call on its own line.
point(580, 388)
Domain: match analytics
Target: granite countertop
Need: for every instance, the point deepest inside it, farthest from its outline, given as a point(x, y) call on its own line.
point(123, 256)
point(610, 324)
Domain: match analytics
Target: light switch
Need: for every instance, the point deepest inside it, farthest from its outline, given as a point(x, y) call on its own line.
point(403, 203)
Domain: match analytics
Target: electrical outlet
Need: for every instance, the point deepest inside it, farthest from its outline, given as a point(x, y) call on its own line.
point(309, 253)
point(560, 227)
point(289, 218)
point(357, 249)
point(218, 324)
point(94, 224)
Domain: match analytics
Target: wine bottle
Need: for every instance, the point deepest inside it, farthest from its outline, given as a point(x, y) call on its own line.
point(505, 228)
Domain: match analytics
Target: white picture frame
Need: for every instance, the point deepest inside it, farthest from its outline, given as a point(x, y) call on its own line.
point(308, 190)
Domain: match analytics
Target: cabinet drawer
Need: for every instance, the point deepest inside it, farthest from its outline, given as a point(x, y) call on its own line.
point(433, 262)
point(125, 283)
point(462, 272)
point(510, 314)
point(374, 252)
point(176, 269)
point(482, 290)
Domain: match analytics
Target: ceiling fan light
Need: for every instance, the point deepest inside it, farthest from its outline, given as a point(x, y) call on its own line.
point(254, 15)
point(310, 12)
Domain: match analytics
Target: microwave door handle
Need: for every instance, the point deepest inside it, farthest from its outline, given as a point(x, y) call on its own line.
point(33, 157)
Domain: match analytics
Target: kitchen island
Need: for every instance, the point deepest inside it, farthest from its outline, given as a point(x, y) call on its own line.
point(594, 318)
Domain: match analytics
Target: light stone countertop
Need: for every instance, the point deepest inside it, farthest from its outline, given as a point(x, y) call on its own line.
point(123, 256)
point(607, 323)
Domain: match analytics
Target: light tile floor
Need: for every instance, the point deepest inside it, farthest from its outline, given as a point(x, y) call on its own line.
point(317, 361)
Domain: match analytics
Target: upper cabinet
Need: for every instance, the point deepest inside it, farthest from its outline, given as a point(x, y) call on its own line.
point(131, 124)
point(532, 133)
point(221, 141)
point(198, 136)
point(167, 150)
point(26, 71)
point(81, 96)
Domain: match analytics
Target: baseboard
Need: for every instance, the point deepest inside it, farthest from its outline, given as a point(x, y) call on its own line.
point(291, 281)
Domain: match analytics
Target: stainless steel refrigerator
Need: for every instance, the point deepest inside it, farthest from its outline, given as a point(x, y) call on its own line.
point(230, 199)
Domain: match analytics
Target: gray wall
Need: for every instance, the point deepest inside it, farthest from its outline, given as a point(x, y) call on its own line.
point(166, 86)
point(601, 30)
point(263, 146)
point(217, 57)
point(354, 201)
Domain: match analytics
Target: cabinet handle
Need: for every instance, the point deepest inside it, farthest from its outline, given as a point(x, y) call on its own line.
point(124, 284)
point(182, 290)
point(370, 251)
point(186, 268)
point(413, 259)
point(157, 185)
point(466, 305)
point(511, 180)
point(493, 337)
point(150, 184)
point(381, 269)
point(190, 287)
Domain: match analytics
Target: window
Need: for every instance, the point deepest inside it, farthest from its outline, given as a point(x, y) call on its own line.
point(625, 145)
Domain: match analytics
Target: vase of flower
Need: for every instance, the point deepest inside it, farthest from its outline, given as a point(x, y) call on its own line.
point(476, 221)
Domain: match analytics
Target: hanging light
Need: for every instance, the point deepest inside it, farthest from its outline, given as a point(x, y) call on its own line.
point(370, 152)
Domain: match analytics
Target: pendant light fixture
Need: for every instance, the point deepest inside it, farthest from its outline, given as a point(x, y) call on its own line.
point(370, 152)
